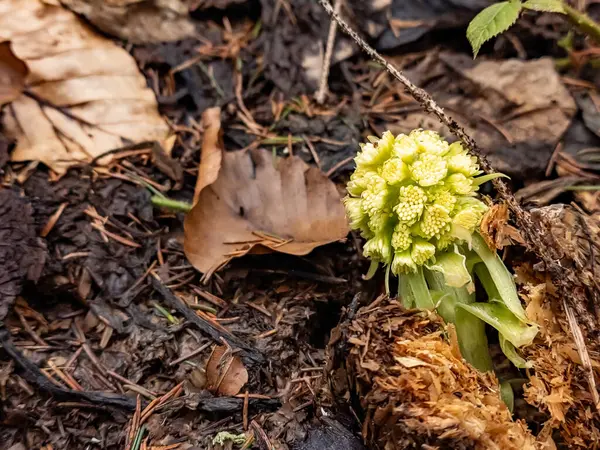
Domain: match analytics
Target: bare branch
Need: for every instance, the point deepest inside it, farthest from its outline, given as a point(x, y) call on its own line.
point(323, 88)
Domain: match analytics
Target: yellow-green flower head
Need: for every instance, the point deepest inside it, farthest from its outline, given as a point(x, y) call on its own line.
point(411, 196)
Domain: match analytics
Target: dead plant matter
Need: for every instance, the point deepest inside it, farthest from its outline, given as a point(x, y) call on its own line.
point(415, 389)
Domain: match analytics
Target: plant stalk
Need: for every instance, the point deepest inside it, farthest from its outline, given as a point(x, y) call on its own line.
point(420, 290)
point(169, 203)
point(583, 22)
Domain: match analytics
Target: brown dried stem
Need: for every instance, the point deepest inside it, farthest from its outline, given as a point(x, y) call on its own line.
point(322, 92)
point(538, 240)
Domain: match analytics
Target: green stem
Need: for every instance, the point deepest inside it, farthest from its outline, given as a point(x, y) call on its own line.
point(420, 290)
point(502, 278)
point(405, 293)
point(168, 203)
point(507, 394)
point(446, 307)
point(472, 340)
point(165, 313)
point(583, 22)
point(137, 442)
point(470, 330)
point(483, 275)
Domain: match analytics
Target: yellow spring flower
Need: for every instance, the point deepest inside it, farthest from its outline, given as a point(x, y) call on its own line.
point(412, 195)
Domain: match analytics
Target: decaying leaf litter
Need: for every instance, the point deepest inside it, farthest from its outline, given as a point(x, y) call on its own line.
point(111, 339)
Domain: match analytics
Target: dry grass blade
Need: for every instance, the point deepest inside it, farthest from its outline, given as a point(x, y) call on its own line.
point(84, 95)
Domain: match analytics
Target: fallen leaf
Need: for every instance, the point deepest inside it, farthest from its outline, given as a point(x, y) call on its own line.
point(12, 74)
point(212, 148)
point(138, 21)
point(84, 95)
point(260, 203)
point(225, 373)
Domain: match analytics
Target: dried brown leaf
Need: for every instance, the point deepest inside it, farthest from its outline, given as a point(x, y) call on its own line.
point(84, 95)
point(260, 204)
point(12, 74)
point(496, 230)
point(212, 148)
point(225, 372)
point(138, 21)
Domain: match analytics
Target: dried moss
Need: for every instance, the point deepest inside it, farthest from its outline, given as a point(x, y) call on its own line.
point(417, 392)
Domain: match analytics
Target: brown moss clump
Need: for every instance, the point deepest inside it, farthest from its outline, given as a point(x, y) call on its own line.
point(558, 384)
point(417, 392)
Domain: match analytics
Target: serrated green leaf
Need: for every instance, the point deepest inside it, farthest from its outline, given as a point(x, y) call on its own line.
point(555, 6)
point(492, 21)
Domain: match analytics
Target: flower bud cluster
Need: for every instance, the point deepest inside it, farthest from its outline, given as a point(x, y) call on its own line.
point(411, 196)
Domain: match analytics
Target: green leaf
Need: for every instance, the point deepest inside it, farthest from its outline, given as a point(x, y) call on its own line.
point(499, 316)
point(502, 278)
point(492, 21)
point(511, 353)
point(452, 264)
point(556, 6)
point(490, 176)
point(483, 275)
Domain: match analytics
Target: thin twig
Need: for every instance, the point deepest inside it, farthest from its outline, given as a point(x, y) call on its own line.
point(586, 362)
point(323, 88)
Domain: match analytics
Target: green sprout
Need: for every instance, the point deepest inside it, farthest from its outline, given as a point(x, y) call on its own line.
point(414, 198)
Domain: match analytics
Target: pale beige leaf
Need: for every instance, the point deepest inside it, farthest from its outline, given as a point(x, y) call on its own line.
point(91, 61)
point(260, 204)
point(84, 95)
point(410, 361)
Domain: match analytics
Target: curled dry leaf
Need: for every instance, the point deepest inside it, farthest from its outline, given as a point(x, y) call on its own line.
point(84, 95)
point(496, 230)
point(225, 372)
point(260, 203)
point(211, 155)
point(138, 21)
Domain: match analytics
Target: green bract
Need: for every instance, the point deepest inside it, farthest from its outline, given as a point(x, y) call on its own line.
point(411, 196)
